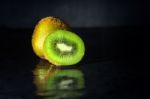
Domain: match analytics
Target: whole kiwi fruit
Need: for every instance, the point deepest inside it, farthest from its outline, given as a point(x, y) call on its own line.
point(44, 27)
point(63, 48)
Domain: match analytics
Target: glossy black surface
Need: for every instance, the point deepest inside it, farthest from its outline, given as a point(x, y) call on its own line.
point(115, 65)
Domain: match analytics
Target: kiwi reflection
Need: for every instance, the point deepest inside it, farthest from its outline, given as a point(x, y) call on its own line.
point(56, 83)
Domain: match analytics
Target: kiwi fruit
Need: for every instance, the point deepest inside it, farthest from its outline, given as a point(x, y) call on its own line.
point(63, 48)
point(44, 27)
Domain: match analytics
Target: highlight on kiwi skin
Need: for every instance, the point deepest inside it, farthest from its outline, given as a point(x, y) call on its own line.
point(44, 27)
point(63, 48)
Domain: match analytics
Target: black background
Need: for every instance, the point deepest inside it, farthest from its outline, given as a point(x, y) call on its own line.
point(115, 32)
point(78, 13)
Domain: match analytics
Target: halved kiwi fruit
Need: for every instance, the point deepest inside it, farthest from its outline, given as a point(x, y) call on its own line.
point(42, 29)
point(63, 48)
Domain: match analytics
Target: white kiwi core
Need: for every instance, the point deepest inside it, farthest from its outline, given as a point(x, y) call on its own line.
point(64, 47)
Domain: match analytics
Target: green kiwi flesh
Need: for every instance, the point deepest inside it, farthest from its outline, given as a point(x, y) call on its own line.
point(63, 48)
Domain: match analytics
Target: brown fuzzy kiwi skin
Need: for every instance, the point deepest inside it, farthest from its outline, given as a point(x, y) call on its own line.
point(42, 29)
